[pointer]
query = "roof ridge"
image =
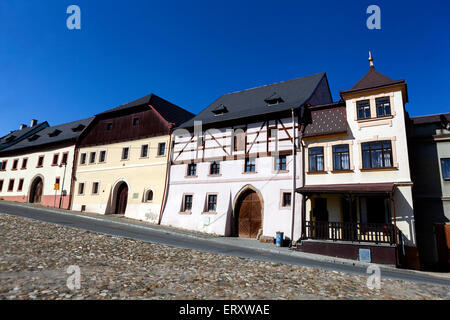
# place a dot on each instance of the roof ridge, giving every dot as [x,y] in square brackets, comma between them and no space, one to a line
[431,115]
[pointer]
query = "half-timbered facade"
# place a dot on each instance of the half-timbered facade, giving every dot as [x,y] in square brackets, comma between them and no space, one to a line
[122,159]
[232,166]
[357,187]
[38,169]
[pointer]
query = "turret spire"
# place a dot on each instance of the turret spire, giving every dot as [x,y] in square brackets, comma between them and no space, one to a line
[370,59]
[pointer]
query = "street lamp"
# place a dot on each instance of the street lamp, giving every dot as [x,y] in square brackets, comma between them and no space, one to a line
[62,187]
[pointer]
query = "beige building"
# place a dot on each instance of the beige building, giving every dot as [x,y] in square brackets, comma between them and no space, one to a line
[122,159]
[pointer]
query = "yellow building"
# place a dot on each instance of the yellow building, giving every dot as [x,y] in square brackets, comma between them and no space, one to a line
[122,159]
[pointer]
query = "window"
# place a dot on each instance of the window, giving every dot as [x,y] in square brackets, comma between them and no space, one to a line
[1,185]
[55,159]
[192,169]
[363,109]
[125,153]
[445,166]
[144,151]
[187,205]
[15,164]
[102,156]
[249,165]
[20,187]
[280,163]
[272,132]
[40,161]
[81,188]
[212,202]
[383,107]
[11,185]
[214,168]
[315,159]
[64,158]
[239,141]
[83,158]
[135,121]
[161,149]
[24,163]
[341,160]
[3,163]
[286,200]
[109,126]
[377,154]
[149,196]
[95,188]
[92,157]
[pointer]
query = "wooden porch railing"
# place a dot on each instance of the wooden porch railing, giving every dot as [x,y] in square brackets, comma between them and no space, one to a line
[353,232]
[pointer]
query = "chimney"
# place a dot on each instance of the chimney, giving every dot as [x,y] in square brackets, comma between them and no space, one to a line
[22,126]
[33,123]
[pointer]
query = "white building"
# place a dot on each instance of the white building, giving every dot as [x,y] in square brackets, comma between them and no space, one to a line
[232,167]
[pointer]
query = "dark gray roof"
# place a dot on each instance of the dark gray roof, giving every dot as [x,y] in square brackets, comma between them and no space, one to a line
[17,135]
[252,102]
[434,118]
[49,135]
[169,111]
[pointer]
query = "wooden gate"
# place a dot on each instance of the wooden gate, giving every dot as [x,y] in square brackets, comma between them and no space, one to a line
[249,215]
[36,191]
[121,198]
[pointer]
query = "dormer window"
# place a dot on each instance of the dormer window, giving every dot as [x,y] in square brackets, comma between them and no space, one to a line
[54,133]
[220,110]
[274,99]
[10,138]
[33,138]
[78,128]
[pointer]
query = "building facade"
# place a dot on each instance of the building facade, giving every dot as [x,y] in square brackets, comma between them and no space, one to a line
[38,169]
[232,166]
[358,189]
[122,159]
[430,169]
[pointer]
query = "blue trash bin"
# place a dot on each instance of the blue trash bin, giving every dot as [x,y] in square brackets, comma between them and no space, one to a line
[279,239]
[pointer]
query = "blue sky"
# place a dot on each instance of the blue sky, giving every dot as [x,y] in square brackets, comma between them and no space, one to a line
[191,52]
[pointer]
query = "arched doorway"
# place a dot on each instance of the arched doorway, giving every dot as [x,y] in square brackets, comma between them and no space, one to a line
[248,217]
[121,198]
[36,190]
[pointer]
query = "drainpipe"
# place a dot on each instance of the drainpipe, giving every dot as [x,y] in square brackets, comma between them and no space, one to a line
[293,177]
[166,185]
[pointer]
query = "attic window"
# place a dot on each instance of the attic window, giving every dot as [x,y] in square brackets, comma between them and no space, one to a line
[78,128]
[274,99]
[10,138]
[54,133]
[219,110]
[33,138]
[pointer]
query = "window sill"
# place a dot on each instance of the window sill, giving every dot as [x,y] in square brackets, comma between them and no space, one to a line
[379,169]
[374,119]
[215,175]
[39,166]
[249,172]
[280,171]
[342,171]
[185,213]
[209,212]
[317,172]
[191,177]
[160,156]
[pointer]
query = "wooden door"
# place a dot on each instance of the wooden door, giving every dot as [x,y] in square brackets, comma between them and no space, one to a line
[36,192]
[249,215]
[121,199]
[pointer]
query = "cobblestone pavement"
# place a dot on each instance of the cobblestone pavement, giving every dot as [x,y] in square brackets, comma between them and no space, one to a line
[35,257]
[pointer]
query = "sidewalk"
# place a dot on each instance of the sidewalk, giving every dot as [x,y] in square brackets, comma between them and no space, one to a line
[264,248]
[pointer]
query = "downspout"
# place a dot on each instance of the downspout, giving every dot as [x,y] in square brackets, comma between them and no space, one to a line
[293,177]
[302,150]
[166,184]
[72,178]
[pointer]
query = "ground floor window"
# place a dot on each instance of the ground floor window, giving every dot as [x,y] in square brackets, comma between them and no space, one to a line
[286,200]
[187,202]
[212,202]
[81,188]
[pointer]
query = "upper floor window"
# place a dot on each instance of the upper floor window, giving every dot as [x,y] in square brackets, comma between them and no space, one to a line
[363,109]
[445,166]
[92,157]
[214,168]
[102,156]
[239,141]
[3,165]
[161,149]
[125,153]
[280,163]
[15,164]
[109,126]
[315,159]
[24,163]
[55,159]
[40,161]
[377,154]
[83,158]
[144,151]
[192,169]
[135,121]
[341,158]
[383,107]
[64,158]
[250,165]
